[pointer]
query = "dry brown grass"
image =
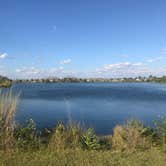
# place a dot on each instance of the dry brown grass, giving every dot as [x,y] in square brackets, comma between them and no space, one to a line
[66,136]
[129,138]
[8,105]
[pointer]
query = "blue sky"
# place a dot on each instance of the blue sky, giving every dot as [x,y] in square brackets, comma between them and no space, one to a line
[83,38]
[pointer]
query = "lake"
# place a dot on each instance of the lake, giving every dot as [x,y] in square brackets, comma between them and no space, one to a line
[97,105]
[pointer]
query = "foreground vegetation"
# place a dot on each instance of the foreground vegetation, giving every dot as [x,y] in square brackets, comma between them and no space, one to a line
[5,82]
[77,157]
[131,144]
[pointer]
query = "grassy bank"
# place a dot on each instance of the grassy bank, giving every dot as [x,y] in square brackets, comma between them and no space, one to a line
[69,157]
[130,144]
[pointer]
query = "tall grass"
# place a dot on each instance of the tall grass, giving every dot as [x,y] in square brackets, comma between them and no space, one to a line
[68,136]
[8,105]
[130,137]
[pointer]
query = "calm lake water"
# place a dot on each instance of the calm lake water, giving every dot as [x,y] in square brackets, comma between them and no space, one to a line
[97,105]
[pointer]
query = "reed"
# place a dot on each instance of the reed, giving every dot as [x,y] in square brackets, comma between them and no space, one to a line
[8,105]
[66,136]
[131,137]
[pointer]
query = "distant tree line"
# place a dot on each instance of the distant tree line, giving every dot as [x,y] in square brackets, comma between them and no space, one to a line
[76,79]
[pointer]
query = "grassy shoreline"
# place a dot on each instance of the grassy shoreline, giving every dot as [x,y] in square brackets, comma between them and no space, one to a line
[130,144]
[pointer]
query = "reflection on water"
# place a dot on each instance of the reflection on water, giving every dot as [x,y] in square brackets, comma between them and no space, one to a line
[97,105]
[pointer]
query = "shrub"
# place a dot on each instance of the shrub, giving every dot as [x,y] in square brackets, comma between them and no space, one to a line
[90,140]
[27,137]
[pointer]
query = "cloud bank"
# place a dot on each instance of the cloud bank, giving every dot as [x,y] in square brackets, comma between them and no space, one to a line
[110,70]
[115,70]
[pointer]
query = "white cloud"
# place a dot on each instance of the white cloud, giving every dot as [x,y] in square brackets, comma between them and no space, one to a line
[111,70]
[36,72]
[66,61]
[121,66]
[125,69]
[28,70]
[162,56]
[3,55]
[156,59]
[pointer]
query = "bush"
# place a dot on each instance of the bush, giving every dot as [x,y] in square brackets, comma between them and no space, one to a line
[27,136]
[90,141]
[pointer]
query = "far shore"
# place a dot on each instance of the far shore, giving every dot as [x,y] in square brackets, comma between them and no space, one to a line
[140,79]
